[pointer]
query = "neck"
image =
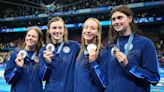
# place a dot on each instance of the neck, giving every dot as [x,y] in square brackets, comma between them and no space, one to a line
[57,41]
[90,41]
[32,48]
[125,32]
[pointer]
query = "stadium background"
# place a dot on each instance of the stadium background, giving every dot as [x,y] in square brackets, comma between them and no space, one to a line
[17,15]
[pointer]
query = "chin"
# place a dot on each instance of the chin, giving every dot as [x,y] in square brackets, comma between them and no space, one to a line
[57,38]
[30,45]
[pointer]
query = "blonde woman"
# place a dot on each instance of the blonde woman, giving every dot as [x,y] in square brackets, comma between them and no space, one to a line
[58,58]
[92,59]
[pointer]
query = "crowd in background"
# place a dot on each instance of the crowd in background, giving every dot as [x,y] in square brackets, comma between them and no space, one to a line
[64,5]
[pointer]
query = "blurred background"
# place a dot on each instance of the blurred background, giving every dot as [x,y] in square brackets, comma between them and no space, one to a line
[17,15]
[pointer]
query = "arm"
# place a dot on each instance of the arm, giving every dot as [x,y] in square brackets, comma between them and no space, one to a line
[148,71]
[44,71]
[98,69]
[12,71]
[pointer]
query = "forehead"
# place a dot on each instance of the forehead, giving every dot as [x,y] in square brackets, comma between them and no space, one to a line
[117,13]
[32,32]
[56,23]
[90,23]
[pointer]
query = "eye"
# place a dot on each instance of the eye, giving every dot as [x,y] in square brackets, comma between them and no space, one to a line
[113,19]
[60,27]
[28,35]
[85,27]
[93,28]
[54,27]
[119,17]
[33,36]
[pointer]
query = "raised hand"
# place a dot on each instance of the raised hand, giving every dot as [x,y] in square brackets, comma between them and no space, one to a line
[48,56]
[121,57]
[92,55]
[19,61]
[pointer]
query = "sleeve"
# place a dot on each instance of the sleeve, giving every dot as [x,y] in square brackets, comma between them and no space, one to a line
[44,71]
[12,71]
[148,71]
[98,69]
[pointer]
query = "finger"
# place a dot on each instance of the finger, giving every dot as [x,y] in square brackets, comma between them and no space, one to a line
[47,53]
[92,52]
[119,58]
[122,55]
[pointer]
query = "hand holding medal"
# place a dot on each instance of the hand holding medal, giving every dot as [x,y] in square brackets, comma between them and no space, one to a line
[114,50]
[50,47]
[20,58]
[121,57]
[48,53]
[91,48]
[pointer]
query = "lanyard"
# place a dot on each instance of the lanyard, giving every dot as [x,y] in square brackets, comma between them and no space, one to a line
[33,55]
[60,48]
[128,44]
[85,52]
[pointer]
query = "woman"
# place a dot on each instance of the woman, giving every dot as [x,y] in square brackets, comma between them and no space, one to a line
[58,58]
[91,61]
[22,68]
[133,62]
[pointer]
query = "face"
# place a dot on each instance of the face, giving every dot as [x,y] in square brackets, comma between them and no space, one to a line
[57,30]
[120,21]
[90,30]
[31,38]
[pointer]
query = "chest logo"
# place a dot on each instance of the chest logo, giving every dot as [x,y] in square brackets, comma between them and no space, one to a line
[66,49]
[131,46]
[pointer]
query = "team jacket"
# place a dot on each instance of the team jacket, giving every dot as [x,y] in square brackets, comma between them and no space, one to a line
[59,74]
[90,76]
[139,73]
[25,79]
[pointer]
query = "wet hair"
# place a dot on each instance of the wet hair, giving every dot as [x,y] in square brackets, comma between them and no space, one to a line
[98,39]
[40,38]
[128,12]
[48,36]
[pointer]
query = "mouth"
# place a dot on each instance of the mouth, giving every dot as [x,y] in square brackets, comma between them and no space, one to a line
[117,25]
[88,34]
[57,33]
[30,42]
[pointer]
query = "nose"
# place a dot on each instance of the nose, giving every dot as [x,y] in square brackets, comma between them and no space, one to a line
[57,29]
[116,21]
[30,37]
[88,30]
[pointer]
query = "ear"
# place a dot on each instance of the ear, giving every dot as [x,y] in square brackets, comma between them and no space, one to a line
[130,18]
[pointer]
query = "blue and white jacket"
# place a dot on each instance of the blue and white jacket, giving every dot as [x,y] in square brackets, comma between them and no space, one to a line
[139,73]
[91,76]
[23,79]
[59,74]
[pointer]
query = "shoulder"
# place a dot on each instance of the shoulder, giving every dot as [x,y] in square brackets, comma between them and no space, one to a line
[73,44]
[143,40]
[42,48]
[15,52]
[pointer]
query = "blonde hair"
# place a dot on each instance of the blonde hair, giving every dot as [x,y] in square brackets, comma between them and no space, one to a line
[48,36]
[98,39]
